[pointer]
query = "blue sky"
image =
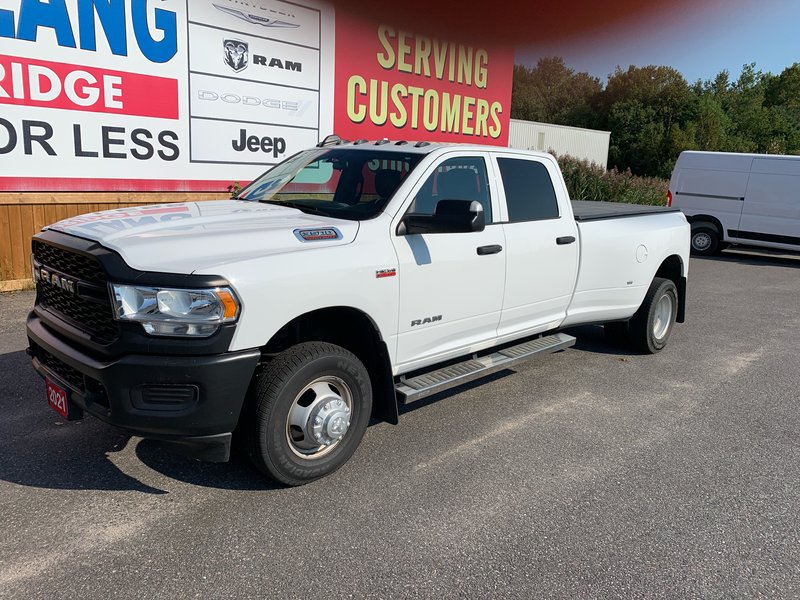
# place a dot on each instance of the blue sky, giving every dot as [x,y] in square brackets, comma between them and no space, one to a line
[699,42]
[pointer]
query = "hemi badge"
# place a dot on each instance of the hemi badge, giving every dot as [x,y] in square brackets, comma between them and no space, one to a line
[385,273]
[318,235]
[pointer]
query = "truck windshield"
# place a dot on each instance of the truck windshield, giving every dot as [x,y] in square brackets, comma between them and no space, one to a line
[335,182]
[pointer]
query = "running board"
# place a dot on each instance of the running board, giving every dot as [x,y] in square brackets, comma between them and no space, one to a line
[427,384]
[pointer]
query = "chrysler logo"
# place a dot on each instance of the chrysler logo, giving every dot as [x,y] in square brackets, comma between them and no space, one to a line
[235,54]
[46,276]
[258,19]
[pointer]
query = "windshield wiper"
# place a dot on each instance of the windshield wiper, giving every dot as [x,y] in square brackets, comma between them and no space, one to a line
[302,207]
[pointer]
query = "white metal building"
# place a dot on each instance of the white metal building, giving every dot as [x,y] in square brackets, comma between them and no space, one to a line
[589,144]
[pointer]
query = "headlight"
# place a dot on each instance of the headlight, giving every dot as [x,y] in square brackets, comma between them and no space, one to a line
[174,312]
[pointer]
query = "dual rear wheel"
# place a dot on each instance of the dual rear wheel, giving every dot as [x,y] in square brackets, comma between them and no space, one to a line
[649,329]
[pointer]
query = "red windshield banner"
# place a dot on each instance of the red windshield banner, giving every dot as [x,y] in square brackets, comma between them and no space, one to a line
[400,84]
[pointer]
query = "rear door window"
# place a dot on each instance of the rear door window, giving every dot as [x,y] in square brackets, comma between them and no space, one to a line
[530,195]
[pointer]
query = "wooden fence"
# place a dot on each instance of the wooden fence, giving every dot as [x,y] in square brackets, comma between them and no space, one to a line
[24,214]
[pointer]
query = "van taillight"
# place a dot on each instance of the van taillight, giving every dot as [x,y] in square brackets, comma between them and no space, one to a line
[669,198]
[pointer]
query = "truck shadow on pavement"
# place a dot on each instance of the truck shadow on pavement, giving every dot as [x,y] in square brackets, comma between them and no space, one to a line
[236,474]
[592,338]
[39,449]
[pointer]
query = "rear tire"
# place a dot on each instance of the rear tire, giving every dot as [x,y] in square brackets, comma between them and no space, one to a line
[312,407]
[705,239]
[651,326]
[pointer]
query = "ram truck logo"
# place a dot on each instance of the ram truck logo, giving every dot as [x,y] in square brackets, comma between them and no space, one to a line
[426,321]
[235,54]
[47,277]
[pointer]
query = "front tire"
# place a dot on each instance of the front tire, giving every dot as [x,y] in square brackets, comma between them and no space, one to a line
[313,403]
[651,326]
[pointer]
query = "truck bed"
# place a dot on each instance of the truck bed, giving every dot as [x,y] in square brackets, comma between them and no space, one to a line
[594,211]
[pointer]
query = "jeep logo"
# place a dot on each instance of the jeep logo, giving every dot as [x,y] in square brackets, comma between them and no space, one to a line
[426,320]
[47,277]
[269,145]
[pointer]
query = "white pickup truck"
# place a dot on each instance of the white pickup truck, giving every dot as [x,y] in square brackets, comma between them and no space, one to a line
[349,278]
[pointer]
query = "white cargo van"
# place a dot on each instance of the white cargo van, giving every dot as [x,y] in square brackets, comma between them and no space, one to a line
[728,198]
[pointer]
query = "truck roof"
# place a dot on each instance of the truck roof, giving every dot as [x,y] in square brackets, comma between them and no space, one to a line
[416,147]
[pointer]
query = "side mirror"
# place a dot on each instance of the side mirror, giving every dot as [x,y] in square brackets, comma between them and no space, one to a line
[451,216]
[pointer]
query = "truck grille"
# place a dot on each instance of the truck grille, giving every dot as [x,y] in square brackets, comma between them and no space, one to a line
[89,307]
[79,266]
[63,370]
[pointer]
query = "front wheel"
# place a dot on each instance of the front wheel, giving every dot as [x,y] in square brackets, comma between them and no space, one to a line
[652,324]
[313,403]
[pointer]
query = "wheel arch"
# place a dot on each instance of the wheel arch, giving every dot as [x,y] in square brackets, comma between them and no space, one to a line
[713,221]
[354,330]
[672,268]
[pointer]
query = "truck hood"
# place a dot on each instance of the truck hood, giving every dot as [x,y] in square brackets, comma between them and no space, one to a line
[199,236]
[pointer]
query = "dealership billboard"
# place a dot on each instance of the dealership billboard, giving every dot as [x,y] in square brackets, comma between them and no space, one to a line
[191,95]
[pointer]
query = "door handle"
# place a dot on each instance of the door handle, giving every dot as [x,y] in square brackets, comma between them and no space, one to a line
[566,239]
[493,249]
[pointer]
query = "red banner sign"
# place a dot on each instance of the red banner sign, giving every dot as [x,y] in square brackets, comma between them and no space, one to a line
[33,82]
[398,84]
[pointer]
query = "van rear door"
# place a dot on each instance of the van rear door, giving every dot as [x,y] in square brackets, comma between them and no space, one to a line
[771,214]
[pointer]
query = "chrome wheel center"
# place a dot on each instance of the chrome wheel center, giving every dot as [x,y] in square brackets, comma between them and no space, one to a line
[662,317]
[319,417]
[329,421]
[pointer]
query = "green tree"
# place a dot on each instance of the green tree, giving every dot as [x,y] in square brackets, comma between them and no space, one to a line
[551,92]
[784,90]
[709,125]
[782,99]
[653,114]
[645,108]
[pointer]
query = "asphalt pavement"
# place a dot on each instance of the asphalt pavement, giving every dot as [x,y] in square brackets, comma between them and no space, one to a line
[590,473]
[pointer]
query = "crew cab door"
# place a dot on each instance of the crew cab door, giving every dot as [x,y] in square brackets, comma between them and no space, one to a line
[451,284]
[541,244]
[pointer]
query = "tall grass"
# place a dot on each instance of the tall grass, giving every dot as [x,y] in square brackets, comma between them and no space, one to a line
[587,181]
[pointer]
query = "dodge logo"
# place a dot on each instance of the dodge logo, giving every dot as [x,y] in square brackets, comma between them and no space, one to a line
[235,54]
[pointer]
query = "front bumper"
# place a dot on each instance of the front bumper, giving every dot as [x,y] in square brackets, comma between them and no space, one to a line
[191,402]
